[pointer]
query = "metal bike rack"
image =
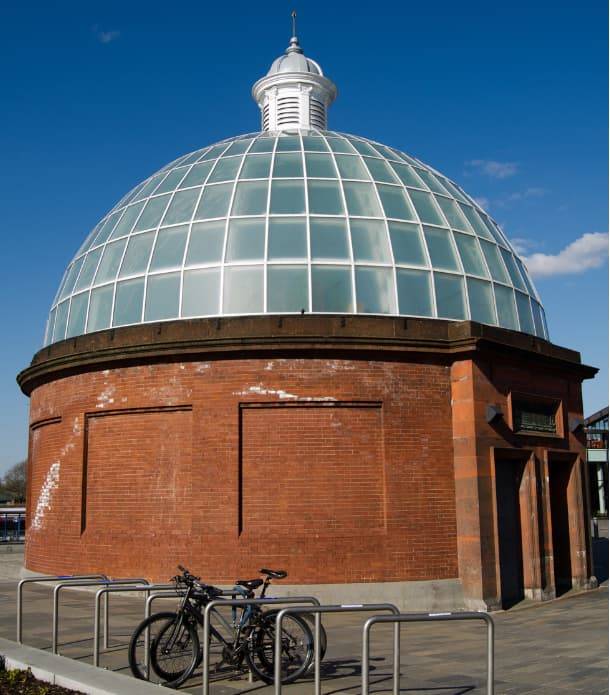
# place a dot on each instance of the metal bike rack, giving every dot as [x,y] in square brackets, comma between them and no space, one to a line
[317,611]
[426,617]
[59,587]
[51,578]
[104,591]
[241,602]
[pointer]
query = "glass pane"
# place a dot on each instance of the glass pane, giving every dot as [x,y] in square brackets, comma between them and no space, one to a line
[100,309]
[407,175]
[494,262]
[441,250]
[238,147]
[169,248]
[111,259]
[288,143]
[170,182]
[128,302]
[287,238]
[314,144]
[509,262]
[215,151]
[352,167]
[470,255]
[287,288]
[407,244]
[182,206]
[256,167]
[324,197]
[250,198]
[454,190]
[246,240]
[108,226]
[289,165]
[340,145]
[525,276]
[243,290]
[197,175]
[370,241]
[225,170]
[431,181]
[495,231]
[287,197]
[361,199]
[425,207]
[206,243]
[331,288]
[162,297]
[148,188]
[364,147]
[126,222]
[48,334]
[135,261]
[538,319]
[395,202]
[380,170]
[453,214]
[328,239]
[78,314]
[375,291]
[475,222]
[525,314]
[414,297]
[481,301]
[201,292]
[152,213]
[87,272]
[214,201]
[505,303]
[71,277]
[320,166]
[61,320]
[449,296]
[264,144]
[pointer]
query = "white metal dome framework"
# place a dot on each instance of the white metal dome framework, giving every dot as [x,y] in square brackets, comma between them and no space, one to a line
[296,219]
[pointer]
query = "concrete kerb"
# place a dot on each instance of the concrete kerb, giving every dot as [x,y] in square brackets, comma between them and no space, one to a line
[59,670]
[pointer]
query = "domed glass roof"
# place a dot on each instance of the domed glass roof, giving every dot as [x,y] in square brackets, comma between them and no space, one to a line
[312,221]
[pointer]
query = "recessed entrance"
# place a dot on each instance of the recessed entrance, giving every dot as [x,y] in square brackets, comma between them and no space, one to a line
[559,481]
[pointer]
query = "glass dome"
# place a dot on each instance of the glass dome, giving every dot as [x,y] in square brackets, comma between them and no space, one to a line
[303,221]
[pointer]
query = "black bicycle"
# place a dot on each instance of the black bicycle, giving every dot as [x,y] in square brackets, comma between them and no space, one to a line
[174,648]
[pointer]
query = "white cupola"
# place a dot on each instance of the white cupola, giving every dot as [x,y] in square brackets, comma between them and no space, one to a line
[294,93]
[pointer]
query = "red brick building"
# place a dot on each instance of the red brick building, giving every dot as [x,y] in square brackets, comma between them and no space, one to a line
[307,350]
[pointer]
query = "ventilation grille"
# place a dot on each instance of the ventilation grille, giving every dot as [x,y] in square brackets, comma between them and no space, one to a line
[317,114]
[287,110]
[266,117]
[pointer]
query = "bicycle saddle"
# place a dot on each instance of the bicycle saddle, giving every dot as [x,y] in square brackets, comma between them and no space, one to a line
[250,584]
[275,574]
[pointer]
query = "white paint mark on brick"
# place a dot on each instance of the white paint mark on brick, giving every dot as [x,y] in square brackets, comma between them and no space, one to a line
[45,497]
[105,397]
[269,366]
[76,426]
[280,393]
[201,367]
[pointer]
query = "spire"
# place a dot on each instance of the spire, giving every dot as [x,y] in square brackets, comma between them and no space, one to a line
[294,93]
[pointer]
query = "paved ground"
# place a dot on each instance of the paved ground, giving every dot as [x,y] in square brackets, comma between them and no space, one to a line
[541,649]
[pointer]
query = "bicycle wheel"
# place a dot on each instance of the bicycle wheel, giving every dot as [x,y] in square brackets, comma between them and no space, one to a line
[297,648]
[170,669]
[309,618]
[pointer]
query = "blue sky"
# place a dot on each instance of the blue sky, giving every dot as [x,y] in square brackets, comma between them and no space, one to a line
[507,98]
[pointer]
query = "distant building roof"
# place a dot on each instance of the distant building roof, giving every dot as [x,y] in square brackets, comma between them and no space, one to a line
[596,417]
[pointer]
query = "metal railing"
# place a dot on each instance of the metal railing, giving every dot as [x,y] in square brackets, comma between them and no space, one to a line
[317,612]
[57,589]
[277,600]
[41,580]
[419,618]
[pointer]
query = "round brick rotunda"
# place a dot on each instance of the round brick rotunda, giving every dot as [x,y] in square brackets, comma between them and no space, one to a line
[305,349]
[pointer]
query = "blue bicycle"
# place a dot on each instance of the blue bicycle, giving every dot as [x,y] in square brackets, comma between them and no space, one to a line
[174,646]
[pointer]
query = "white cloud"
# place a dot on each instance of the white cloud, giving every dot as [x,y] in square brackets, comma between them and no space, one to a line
[532,192]
[589,251]
[493,169]
[106,36]
[523,246]
[482,202]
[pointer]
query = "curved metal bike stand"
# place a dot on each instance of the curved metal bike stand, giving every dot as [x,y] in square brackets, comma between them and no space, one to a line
[317,611]
[420,618]
[63,585]
[144,588]
[311,600]
[51,578]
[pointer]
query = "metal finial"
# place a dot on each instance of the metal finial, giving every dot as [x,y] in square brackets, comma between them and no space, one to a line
[293,14]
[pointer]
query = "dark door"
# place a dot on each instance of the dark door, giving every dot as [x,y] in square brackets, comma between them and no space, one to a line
[508,480]
[559,478]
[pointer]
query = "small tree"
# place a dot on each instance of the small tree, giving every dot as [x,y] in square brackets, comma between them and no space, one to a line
[13,482]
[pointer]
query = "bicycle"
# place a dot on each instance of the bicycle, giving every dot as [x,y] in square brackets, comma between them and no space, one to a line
[174,646]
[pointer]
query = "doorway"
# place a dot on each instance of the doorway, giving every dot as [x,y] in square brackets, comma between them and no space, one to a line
[509,477]
[559,481]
